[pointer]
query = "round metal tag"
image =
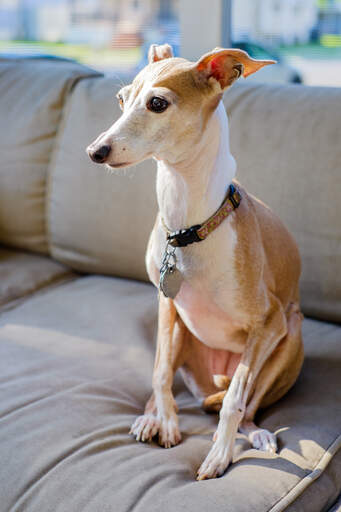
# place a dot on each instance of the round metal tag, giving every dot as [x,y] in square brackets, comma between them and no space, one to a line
[170,282]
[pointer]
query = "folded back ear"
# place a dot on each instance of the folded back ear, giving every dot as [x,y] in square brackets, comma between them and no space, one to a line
[159,52]
[226,65]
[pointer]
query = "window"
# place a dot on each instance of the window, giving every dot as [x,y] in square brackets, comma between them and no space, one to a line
[304,36]
[114,35]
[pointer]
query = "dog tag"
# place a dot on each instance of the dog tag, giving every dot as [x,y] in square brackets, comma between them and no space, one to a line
[170,277]
[170,281]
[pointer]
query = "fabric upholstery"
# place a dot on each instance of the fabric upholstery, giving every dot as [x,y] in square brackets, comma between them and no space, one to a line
[286,140]
[22,273]
[286,143]
[32,94]
[76,365]
[337,506]
[98,221]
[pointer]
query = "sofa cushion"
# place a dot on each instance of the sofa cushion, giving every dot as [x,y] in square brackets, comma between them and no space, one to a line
[23,273]
[337,506]
[32,94]
[76,365]
[285,140]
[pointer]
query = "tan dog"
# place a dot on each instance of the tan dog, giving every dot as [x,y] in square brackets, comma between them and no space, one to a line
[234,325]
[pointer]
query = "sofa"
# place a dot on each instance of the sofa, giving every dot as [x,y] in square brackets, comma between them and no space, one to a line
[78,316]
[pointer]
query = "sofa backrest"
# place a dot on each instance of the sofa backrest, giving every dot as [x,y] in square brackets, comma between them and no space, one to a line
[98,222]
[32,95]
[286,140]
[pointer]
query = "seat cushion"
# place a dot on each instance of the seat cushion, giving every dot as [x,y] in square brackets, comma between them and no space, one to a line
[22,273]
[32,95]
[76,366]
[337,506]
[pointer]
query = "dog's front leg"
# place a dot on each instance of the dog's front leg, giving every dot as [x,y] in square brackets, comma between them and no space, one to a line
[168,348]
[261,342]
[160,412]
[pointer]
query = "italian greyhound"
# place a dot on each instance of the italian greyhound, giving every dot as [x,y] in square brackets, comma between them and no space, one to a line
[227,268]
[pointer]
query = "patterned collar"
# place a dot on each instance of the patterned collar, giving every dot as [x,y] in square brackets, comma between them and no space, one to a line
[199,232]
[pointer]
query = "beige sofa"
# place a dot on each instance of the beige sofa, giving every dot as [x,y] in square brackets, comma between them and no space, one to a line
[78,319]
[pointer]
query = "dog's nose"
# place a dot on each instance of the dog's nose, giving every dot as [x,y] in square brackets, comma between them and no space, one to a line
[100,155]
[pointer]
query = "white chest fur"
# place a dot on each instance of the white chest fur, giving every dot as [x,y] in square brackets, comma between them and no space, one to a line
[206,300]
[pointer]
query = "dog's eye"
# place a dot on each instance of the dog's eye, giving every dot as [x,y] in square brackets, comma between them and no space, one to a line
[120,99]
[157,104]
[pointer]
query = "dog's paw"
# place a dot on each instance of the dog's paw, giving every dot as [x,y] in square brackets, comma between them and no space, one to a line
[145,427]
[169,433]
[263,440]
[216,462]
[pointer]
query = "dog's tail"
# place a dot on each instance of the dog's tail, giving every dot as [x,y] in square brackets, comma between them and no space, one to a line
[212,403]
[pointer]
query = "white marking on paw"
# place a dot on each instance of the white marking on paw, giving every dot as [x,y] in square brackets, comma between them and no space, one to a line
[216,462]
[263,440]
[145,427]
[169,433]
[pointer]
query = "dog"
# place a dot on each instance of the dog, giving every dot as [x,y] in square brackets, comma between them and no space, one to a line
[227,268]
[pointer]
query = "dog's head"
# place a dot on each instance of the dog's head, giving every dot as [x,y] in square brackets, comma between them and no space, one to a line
[167,106]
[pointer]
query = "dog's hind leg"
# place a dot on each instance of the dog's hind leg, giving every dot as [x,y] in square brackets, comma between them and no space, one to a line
[213,403]
[263,340]
[276,377]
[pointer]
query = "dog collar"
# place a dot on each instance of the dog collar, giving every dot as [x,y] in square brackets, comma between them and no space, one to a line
[199,232]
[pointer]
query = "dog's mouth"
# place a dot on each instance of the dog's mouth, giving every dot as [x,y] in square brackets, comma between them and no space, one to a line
[117,166]
[112,165]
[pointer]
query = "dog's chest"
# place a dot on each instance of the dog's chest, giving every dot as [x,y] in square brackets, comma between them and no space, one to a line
[215,327]
[206,300]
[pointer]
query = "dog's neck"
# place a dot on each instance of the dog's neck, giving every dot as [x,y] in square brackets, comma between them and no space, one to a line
[189,192]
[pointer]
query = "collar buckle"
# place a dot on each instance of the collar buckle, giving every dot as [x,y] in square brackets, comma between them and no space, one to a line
[232,193]
[199,232]
[184,237]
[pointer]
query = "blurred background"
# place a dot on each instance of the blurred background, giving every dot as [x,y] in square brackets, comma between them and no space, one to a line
[113,36]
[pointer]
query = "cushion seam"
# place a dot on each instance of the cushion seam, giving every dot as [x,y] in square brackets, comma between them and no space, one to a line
[304,483]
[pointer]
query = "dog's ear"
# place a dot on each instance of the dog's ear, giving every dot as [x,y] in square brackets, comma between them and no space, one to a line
[159,52]
[227,64]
